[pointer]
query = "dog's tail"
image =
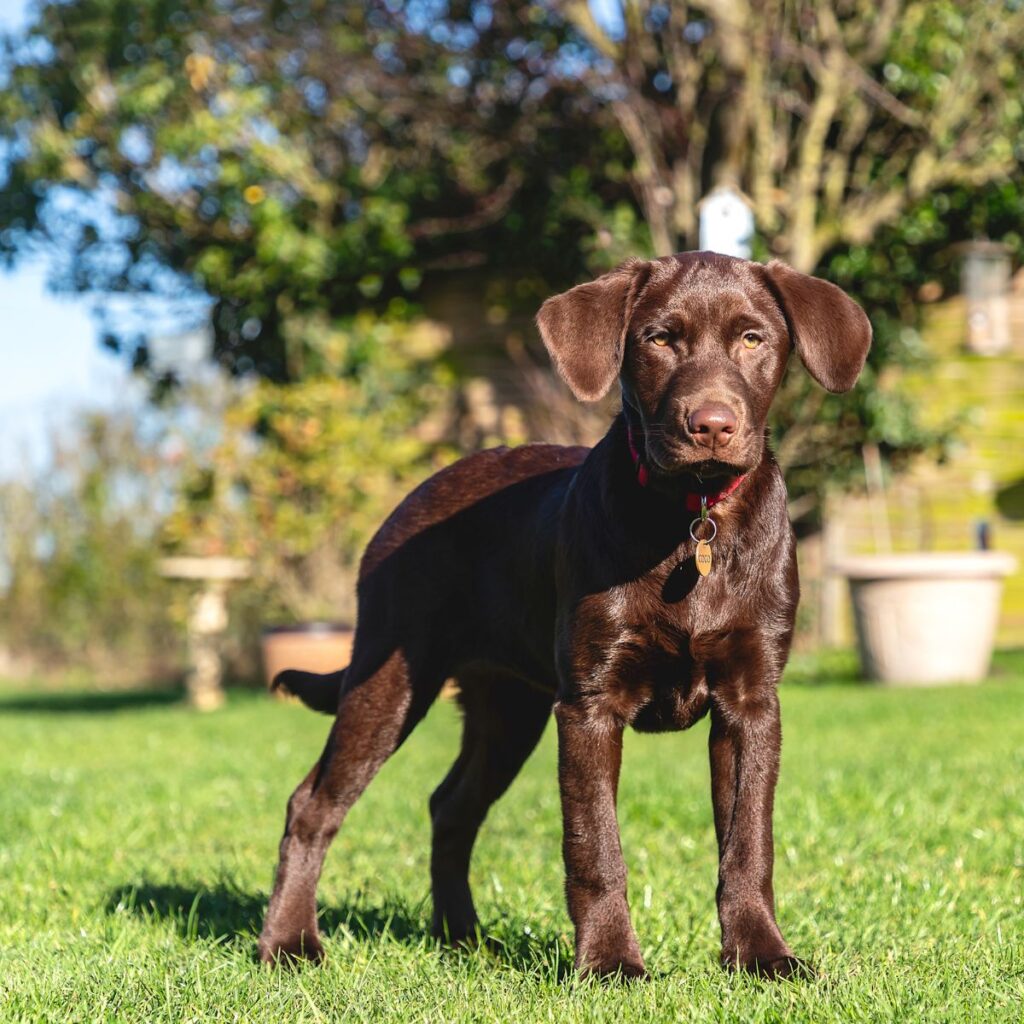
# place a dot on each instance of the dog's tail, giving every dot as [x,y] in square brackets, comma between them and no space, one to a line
[319,692]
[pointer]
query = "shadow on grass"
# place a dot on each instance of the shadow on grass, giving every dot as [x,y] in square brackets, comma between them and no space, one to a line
[1008,662]
[221,912]
[811,668]
[84,702]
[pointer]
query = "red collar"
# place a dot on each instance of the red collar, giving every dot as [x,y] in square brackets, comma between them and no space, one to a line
[693,498]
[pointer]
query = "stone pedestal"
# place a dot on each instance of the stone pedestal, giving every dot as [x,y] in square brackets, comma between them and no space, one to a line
[207,621]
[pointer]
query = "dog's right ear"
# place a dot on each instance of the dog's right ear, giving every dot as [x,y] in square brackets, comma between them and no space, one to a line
[584,329]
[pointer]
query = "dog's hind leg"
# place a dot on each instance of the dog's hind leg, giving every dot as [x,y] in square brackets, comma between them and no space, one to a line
[376,713]
[504,719]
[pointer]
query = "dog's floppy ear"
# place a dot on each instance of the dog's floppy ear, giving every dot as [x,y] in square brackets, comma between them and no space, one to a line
[831,332]
[584,329]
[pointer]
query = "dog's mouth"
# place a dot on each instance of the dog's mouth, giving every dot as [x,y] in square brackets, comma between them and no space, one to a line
[706,470]
[707,477]
[711,471]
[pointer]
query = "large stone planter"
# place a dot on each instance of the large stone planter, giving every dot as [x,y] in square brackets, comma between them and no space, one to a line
[926,618]
[310,646]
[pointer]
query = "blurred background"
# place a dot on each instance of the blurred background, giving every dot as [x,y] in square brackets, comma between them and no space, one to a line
[268,265]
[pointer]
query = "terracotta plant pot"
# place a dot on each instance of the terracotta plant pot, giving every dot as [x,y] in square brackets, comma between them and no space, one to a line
[926,618]
[310,646]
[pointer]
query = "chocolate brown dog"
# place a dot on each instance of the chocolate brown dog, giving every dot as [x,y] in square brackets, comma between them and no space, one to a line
[544,576]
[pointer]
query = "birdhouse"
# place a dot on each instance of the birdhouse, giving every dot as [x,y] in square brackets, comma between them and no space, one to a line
[726,222]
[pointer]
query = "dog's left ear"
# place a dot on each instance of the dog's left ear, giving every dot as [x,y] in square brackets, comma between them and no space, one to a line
[831,332]
[584,329]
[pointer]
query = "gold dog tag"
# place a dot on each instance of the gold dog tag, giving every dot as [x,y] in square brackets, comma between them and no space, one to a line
[703,556]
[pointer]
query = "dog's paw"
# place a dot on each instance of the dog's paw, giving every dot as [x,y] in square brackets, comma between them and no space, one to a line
[459,936]
[772,968]
[455,923]
[291,950]
[613,968]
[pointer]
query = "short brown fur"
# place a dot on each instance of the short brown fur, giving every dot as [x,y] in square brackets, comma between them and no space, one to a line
[546,577]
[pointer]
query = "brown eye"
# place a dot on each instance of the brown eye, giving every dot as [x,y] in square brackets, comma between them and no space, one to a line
[661,340]
[751,340]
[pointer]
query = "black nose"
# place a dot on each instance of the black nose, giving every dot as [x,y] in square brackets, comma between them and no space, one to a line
[712,424]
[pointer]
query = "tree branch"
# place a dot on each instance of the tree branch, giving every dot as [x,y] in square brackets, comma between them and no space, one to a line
[488,210]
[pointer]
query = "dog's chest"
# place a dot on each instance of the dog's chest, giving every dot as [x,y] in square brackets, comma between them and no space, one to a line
[669,636]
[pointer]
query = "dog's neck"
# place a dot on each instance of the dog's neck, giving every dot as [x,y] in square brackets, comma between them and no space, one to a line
[695,494]
[659,511]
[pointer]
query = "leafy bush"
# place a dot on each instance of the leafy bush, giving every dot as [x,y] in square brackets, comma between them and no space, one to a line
[304,473]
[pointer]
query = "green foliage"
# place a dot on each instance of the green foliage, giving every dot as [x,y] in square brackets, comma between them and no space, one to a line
[304,473]
[307,163]
[138,841]
[294,477]
[867,139]
[916,255]
[81,592]
[289,160]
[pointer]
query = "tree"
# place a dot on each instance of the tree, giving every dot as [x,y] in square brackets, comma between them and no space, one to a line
[292,158]
[835,116]
[306,165]
[851,126]
[300,162]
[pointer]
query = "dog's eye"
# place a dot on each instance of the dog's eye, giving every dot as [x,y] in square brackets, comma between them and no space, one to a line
[661,340]
[751,339]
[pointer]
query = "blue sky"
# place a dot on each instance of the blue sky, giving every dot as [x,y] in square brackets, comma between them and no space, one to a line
[52,362]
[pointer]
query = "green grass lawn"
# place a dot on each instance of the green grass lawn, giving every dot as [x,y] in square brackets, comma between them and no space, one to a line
[137,842]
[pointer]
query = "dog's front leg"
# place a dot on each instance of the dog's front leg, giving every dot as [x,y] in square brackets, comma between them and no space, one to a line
[745,743]
[589,757]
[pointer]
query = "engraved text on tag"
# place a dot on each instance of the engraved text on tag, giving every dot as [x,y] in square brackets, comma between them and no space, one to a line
[703,557]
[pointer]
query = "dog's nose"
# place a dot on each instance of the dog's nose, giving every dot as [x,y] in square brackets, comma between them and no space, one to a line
[712,424]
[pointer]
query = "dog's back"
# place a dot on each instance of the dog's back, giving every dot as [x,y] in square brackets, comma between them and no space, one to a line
[490,520]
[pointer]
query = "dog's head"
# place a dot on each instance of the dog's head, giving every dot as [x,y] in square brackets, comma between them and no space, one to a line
[699,343]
